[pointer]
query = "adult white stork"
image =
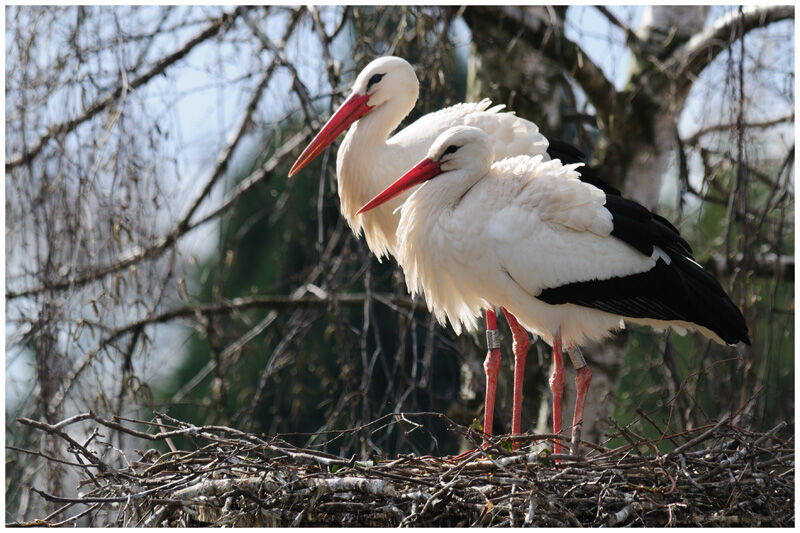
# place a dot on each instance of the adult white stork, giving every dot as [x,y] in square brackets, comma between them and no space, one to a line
[369,160]
[570,261]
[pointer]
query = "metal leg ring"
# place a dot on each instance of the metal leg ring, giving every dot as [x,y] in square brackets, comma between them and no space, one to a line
[492,339]
[576,356]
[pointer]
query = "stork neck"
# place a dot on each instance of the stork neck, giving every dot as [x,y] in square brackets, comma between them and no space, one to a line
[364,147]
[442,194]
[365,139]
[365,165]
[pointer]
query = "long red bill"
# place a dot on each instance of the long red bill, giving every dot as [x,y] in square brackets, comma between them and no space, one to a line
[351,110]
[425,170]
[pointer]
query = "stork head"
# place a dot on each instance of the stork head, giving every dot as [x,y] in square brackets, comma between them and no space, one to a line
[461,148]
[386,82]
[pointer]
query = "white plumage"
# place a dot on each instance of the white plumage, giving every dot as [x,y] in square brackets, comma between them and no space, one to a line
[529,235]
[529,227]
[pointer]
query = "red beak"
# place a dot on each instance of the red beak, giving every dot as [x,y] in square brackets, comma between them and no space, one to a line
[425,170]
[351,110]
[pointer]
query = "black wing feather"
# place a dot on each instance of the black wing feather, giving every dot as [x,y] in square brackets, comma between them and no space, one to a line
[633,223]
[680,290]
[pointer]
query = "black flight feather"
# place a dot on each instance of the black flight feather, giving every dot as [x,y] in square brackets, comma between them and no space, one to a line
[679,291]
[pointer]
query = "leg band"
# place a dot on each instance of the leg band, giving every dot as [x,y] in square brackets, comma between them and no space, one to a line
[576,356]
[493,339]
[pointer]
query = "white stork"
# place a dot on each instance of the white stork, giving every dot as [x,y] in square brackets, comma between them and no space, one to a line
[369,160]
[570,261]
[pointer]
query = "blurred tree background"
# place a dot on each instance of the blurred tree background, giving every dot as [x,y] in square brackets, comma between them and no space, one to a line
[158,259]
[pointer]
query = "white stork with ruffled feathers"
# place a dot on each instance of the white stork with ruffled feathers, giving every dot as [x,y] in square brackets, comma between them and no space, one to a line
[570,261]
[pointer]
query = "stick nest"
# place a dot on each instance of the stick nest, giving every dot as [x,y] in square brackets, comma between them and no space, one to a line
[716,475]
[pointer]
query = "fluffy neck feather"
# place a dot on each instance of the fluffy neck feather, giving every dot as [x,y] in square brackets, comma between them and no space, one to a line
[365,165]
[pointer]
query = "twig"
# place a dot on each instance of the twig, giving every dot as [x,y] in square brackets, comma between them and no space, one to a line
[697,440]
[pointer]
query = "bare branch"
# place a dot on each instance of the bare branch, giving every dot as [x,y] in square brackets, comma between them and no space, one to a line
[158,68]
[276,302]
[690,59]
[630,37]
[54,429]
[731,160]
[695,137]
[767,265]
[226,307]
[279,54]
[179,230]
[233,478]
[225,155]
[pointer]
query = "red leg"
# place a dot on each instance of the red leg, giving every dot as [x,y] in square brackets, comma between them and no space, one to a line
[521,343]
[582,379]
[557,386]
[491,366]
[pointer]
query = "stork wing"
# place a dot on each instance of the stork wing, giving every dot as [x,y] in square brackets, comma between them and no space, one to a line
[641,268]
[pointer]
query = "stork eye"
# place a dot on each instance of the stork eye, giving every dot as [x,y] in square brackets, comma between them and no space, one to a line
[450,150]
[374,79]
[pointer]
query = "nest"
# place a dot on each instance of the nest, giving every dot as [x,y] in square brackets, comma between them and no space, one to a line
[716,475]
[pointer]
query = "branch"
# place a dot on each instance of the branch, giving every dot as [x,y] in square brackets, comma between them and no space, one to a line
[255,178]
[225,155]
[75,446]
[184,225]
[550,41]
[695,137]
[86,360]
[273,302]
[227,477]
[278,53]
[317,299]
[731,160]
[689,60]
[766,265]
[158,68]
[631,38]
